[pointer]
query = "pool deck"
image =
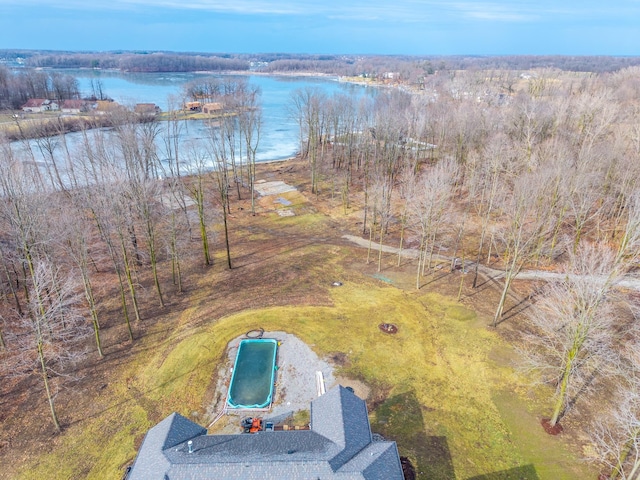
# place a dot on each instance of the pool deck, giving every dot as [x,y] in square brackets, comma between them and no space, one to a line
[295,378]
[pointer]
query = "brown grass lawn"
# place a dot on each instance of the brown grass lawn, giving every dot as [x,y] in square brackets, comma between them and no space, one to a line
[444,387]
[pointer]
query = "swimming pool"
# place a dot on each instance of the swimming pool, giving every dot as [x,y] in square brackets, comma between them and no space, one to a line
[253,374]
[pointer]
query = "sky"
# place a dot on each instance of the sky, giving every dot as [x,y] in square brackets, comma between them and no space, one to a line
[411,27]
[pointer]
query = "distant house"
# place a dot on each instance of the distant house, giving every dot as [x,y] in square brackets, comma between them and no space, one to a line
[211,108]
[75,106]
[391,75]
[193,106]
[339,445]
[106,106]
[35,105]
[146,108]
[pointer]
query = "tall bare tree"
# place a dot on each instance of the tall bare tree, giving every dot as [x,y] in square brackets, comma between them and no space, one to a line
[220,152]
[434,189]
[201,163]
[49,336]
[572,339]
[526,221]
[250,124]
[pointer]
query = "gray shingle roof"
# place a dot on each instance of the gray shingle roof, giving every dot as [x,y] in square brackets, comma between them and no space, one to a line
[338,446]
[341,417]
[375,462]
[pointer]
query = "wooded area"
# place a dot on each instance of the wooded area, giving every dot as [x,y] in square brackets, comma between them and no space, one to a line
[411,68]
[541,172]
[18,87]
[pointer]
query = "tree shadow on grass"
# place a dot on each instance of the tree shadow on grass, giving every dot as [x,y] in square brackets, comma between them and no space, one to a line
[526,472]
[400,418]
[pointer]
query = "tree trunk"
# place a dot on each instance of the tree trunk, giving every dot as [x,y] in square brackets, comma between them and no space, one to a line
[203,227]
[88,292]
[123,302]
[380,251]
[477,265]
[370,241]
[226,238]
[462,274]
[503,298]
[564,383]
[403,224]
[47,389]
[421,259]
[154,269]
[129,277]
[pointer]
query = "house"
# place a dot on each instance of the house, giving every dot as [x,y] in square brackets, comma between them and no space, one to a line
[107,106]
[35,105]
[338,445]
[211,108]
[146,108]
[193,106]
[74,106]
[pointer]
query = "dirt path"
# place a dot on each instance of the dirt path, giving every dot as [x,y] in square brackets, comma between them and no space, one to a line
[491,273]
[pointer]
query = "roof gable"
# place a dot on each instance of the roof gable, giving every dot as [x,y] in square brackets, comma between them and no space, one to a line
[178,430]
[151,462]
[377,461]
[341,416]
[35,102]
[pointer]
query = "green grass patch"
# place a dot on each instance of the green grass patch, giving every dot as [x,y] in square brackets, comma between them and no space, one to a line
[302,417]
[548,454]
[458,312]
[441,396]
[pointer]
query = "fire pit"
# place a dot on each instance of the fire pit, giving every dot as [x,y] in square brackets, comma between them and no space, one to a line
[388,328]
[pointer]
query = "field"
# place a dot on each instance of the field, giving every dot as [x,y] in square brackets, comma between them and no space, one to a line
[445,387]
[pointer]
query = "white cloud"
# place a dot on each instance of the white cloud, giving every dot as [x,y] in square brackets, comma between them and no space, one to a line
[498,12]
[236,6]
[403,11]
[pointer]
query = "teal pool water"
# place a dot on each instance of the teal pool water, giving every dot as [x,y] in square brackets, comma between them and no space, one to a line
[253,374]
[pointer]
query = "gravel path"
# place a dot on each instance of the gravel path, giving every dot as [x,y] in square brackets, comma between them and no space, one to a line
[493,274]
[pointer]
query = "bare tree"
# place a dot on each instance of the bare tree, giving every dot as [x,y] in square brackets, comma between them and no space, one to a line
[616,438]
[490,165]
[572,336]
[250,124]
[200,165]
[307,108]
[103,175]
[526,220]
[220,153]
[408,182]
[76,243]
[49,336]
[143,194]
[432,194]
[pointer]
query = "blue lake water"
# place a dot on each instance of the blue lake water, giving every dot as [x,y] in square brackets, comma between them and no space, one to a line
[279,137]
